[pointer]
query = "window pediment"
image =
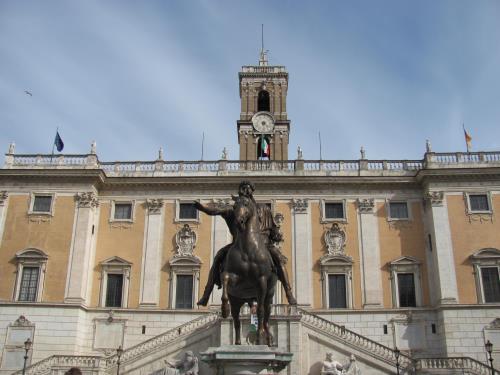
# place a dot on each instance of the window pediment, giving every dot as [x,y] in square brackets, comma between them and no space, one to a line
[336,260]
[405,261]
[31,254]
[489,255]
[185,260]
[115,261]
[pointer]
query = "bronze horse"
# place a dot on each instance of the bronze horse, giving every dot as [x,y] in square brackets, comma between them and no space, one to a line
[248,273]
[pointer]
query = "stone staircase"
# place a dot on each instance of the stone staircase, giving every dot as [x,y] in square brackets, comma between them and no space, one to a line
[148,356]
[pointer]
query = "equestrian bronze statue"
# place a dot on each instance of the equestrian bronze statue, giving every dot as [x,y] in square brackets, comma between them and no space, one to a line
[247,269]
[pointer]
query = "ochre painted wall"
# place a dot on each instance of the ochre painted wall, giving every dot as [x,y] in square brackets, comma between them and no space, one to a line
[402,238]
[51,234]
[286,249]
[319,249]
[469,235]
[124,240]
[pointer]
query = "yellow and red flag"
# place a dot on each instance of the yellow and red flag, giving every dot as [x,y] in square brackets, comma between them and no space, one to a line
[468,139]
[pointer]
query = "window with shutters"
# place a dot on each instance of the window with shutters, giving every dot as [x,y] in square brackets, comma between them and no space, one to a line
[184,292]
[406,282]
[337,296]
[186,211]
[114,291]
[29,284]
[406,290]
[486,265]
[31,265]
[122,211]
[332,210]
[41,204]
[115,278]
[491,284]
[398,211]
[336,276]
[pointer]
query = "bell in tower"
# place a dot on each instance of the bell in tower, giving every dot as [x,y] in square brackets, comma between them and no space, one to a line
[263,127]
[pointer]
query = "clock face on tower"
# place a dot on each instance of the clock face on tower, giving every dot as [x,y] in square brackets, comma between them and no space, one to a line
[263,122]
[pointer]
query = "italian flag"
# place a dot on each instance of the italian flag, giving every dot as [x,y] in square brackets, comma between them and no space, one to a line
[264,147]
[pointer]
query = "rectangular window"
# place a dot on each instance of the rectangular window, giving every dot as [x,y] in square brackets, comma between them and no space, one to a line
[491,284]
[114,290]
[334,210]
[337,291]
[398,210]
[184,292]
[29,284]
[42,203]
[187,211]
[479,202]
[406,289]
[123,211]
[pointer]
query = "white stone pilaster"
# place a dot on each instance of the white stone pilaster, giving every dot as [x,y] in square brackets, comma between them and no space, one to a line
[80,260]
[3,212]
[442,252]
[302,252]
[371,277]
[151,255]
[220,238]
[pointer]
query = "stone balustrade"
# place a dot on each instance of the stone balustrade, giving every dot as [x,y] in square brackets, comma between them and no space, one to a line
[256,167]
[464,364]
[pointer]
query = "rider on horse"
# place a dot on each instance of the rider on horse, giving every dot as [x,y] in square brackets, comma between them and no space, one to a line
[267,226]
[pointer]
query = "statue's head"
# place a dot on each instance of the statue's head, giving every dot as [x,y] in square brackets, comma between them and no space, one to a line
[329,356]
[188,356]
[246,189]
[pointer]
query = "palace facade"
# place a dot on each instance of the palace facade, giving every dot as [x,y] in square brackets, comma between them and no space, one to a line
[382,254]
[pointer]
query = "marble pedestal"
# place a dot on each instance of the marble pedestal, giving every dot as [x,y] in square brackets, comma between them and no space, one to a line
[246,360]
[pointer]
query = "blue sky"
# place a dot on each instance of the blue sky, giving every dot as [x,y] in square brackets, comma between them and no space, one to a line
[137,75]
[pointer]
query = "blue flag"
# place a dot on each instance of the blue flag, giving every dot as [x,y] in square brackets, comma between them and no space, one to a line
[59,142]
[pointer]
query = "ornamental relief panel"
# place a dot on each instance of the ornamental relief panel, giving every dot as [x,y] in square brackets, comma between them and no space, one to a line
[86,199]
[185,240]
[335,240]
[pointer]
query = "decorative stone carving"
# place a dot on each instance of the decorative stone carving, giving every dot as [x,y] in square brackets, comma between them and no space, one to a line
[160,153]
[22,322]
[12,148]
[428,147]
[93,148]
[366,205]
[154,206]
[188,365]
[335,240]
[299,205]
[3,197]
[224,154]
[87,199]
[435,197]
[495,324]
[299,153]
[222,204]
[186,241]
[331,366]
[363,153]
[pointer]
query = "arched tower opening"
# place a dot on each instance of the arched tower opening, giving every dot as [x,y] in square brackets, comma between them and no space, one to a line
[264,148]
[263,103]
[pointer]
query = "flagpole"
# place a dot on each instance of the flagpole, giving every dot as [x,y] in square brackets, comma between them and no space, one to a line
[202,144]
[320,154]
[53,146]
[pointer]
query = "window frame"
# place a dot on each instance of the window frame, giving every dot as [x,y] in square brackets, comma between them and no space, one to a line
[178,219]
[33,196]
[184,265]
[324,219]
[30,257]
[408,209]
[402,265]
[112,218]
[118,266]
[484,258]
[488,199]
[336,265]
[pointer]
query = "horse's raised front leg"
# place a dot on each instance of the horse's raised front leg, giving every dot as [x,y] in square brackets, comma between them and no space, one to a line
[261,296]
[226,278]
[236,304]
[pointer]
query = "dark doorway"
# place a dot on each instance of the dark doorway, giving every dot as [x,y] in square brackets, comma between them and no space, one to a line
[263,103]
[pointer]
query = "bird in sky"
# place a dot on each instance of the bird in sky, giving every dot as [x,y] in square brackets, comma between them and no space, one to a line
[28,93]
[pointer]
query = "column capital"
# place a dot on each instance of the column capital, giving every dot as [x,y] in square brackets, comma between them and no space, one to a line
[366,206]
[154,206]
[87,199]
[3,197]
[435,198]
[299,205]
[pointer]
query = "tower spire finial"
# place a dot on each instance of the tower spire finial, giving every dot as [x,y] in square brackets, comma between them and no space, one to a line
[263,52]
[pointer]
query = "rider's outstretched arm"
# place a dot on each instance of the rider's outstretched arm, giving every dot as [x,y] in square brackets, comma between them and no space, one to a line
[210,210]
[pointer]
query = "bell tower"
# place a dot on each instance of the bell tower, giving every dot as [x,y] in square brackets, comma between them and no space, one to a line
[263,127]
